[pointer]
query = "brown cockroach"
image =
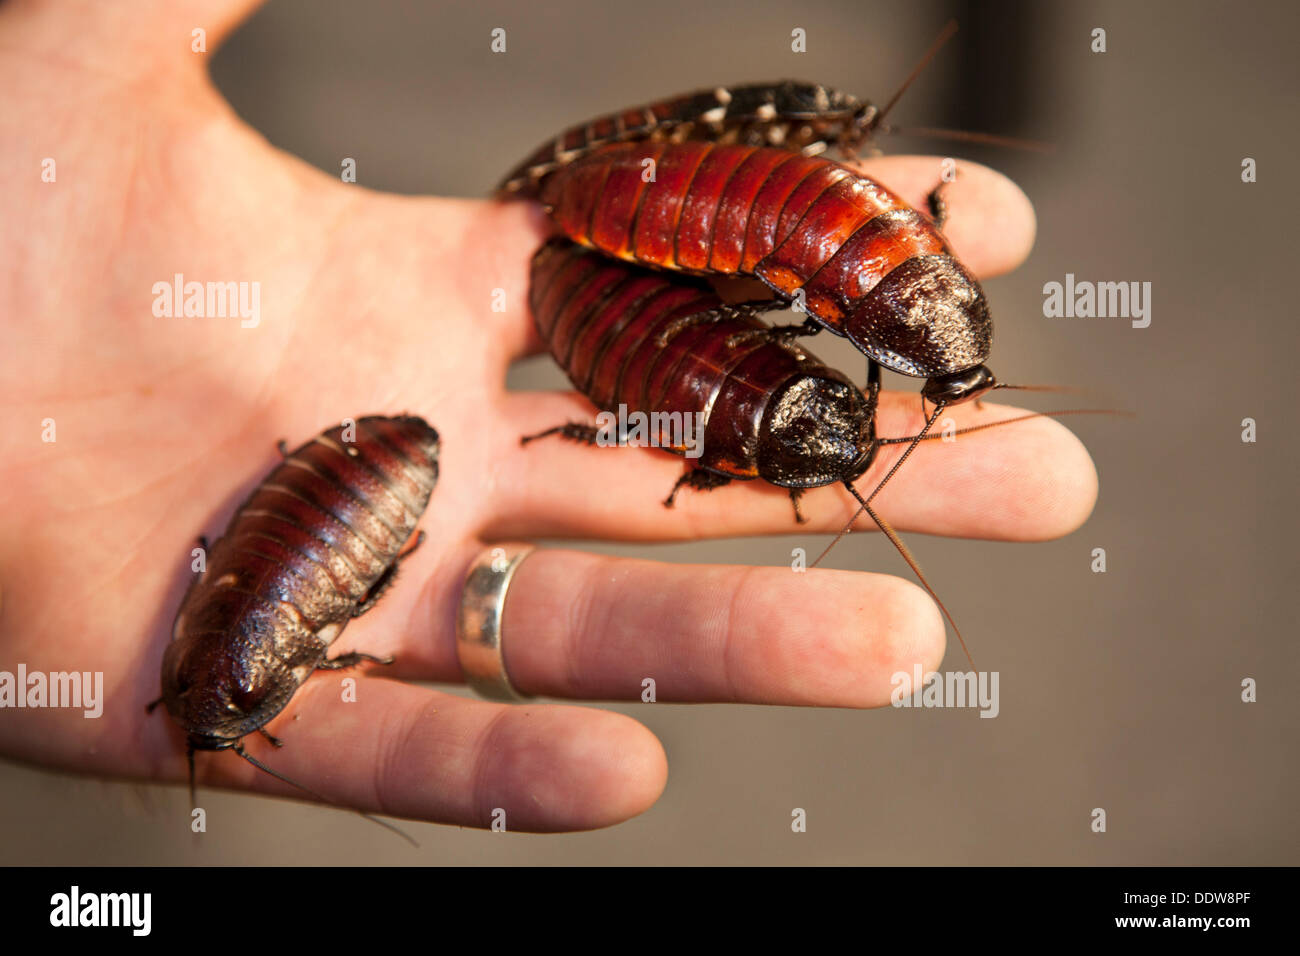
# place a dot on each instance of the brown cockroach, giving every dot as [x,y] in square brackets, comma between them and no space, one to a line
[643,340]
[315,545]
[863,263]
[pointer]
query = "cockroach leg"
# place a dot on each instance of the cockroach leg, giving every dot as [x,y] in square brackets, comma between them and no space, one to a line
[419,540]
[385,580]
[780,334]
[934,201]
[275,741]
[283,448]
[700,480]
[376,591]
[795,495]
[683,322]
[351,659]
[574,431]
[723,313]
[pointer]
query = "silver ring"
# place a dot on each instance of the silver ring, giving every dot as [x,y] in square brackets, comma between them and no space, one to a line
[478,621]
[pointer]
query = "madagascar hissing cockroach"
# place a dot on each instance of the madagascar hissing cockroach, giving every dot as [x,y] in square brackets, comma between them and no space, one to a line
[640,339]
[314,546]
[864,263]
[792,114]
[668,346]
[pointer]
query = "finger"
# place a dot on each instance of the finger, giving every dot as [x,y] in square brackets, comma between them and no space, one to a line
[586,626]
[991,223]
[493,257]
[593,627]
[408,752]
[1025,481]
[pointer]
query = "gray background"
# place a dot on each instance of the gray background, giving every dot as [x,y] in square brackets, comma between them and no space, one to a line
[1119,690]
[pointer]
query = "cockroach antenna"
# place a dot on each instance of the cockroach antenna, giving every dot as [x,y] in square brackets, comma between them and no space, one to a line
[239,749]
[892,535]
[877,120]
[912,441]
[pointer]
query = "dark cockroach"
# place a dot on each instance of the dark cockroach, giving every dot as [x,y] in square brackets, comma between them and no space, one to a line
[865,264]
[643,340]
[667,345]
[792,114]
[314,546]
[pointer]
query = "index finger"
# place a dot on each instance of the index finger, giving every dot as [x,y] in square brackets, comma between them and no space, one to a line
[991,224]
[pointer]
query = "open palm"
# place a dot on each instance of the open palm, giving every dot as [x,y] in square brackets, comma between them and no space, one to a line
[375,304]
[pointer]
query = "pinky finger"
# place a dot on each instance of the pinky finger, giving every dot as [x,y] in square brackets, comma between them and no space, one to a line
[412,753]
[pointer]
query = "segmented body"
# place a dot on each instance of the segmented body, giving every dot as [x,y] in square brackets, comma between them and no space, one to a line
[661,344]
[866,264]
[310,549]
[791,114]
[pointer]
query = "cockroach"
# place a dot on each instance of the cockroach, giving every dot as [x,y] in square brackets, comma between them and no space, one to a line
[668,345]
[861,261]
[639,339]
[314,546]
[792,114]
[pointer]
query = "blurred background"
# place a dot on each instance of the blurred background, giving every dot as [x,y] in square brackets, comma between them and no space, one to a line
[1119,690]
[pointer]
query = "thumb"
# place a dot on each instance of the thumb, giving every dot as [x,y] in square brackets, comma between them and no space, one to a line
[144,37]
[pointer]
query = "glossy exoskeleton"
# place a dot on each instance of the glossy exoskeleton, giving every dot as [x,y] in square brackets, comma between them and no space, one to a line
[313,547]
[792,114]
[670,346]
[856,258]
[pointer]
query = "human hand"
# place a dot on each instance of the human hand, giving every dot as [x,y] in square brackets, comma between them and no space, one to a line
[381,304]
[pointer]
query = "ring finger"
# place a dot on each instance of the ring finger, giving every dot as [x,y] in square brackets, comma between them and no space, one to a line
[586,626]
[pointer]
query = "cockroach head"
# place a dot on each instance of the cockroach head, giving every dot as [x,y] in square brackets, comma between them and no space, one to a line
[865,120]
[816,430]
[960,386]
[219,690]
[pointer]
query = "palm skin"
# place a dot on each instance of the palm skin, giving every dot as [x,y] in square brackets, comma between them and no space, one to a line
[380,304]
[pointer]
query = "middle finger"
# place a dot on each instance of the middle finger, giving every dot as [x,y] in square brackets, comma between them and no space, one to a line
[1027,481]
